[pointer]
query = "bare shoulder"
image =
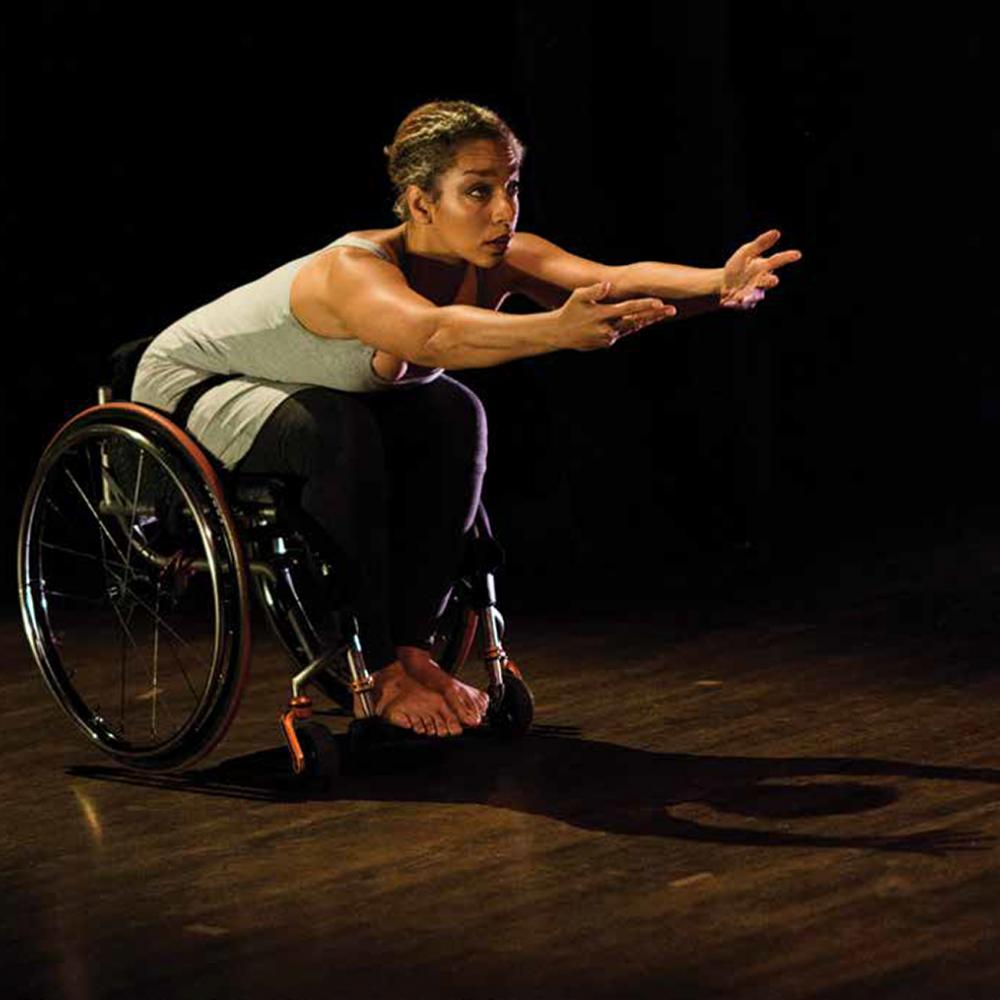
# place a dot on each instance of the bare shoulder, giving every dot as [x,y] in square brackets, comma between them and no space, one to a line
[330,262]
[334,274]
[384,239]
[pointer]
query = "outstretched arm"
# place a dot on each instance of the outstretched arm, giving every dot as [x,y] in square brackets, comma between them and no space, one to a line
[739,284]
[546,274]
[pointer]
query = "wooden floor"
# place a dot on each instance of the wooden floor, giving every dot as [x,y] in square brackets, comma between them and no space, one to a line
[790,795]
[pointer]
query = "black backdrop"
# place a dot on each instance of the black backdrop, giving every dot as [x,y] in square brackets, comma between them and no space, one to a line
[155,156]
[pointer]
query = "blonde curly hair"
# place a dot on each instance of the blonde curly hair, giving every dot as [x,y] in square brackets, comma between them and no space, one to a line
[427,139]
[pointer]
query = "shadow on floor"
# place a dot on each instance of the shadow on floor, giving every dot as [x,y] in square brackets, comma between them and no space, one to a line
[602,787]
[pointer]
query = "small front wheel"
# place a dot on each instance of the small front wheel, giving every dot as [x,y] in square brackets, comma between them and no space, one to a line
[514,715]
[320,750]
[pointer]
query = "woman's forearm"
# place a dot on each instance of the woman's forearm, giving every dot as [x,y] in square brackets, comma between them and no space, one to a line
[470,337]
[693,290]
[670,282]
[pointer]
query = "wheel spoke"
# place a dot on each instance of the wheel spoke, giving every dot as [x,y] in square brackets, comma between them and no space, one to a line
[180,666]
[156,656]
[153,614]
[97,518]
[52,505]
[123,670]
[73,597]
[131,524]
[158,621]
[66,550]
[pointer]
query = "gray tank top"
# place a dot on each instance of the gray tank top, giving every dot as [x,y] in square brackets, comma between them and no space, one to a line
[251,334]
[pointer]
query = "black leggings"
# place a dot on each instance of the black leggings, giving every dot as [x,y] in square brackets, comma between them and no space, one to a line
[394,480]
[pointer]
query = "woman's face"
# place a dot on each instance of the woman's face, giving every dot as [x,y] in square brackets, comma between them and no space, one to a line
[478,202]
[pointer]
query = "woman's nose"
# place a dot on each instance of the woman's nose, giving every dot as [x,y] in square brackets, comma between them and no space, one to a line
[504,208]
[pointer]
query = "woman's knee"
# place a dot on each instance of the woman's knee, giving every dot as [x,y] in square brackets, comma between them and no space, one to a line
[463,417]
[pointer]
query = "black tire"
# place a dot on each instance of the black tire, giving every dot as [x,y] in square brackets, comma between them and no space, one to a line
[516,712]
[133,587]
[321,751]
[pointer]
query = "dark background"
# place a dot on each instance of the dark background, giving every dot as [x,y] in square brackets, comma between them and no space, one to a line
[156,156]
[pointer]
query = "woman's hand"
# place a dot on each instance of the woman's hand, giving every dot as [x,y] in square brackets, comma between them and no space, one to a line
[747,274]
[585,324]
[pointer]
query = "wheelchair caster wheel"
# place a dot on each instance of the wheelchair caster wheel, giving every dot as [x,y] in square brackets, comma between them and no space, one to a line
[514,715]
[320,749]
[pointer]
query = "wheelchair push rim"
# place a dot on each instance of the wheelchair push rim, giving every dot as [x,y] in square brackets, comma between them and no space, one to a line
[133,587]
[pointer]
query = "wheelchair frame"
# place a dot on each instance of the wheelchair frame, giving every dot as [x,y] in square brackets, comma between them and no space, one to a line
[245,534]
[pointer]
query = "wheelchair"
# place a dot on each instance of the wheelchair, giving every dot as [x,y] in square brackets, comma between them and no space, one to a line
[137,553]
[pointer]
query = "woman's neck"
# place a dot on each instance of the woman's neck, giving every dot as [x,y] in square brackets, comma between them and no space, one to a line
[436,279]
[419,242]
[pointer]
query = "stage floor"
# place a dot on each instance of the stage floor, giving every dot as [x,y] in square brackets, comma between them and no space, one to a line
[789,794]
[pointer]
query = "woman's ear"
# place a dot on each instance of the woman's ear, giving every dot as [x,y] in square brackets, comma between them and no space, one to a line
[421,206]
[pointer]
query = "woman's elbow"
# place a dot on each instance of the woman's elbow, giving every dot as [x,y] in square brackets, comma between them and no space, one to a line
[429,348]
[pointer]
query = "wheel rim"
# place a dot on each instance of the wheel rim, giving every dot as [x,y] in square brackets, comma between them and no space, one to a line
[131,594]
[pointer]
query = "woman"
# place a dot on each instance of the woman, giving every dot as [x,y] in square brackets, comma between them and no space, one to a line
[335,365]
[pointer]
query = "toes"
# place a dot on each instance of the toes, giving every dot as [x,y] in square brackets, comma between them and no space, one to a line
[470,718]
[450,719]
[400,719]
[466,709]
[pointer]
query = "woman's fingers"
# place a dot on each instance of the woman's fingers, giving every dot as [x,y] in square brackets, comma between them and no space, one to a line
[640,306]
[783,258]
[766,239]
[633,323]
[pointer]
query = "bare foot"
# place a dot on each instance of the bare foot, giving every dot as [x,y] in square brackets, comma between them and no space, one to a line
[467,702]
[406,703]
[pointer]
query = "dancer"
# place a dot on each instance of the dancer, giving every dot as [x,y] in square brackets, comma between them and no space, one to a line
[331,368]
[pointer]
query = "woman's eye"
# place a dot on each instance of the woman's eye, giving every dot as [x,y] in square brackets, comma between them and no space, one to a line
[515,190]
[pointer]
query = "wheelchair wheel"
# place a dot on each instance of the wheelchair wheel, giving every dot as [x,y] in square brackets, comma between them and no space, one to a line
[133,587]
[517,711]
